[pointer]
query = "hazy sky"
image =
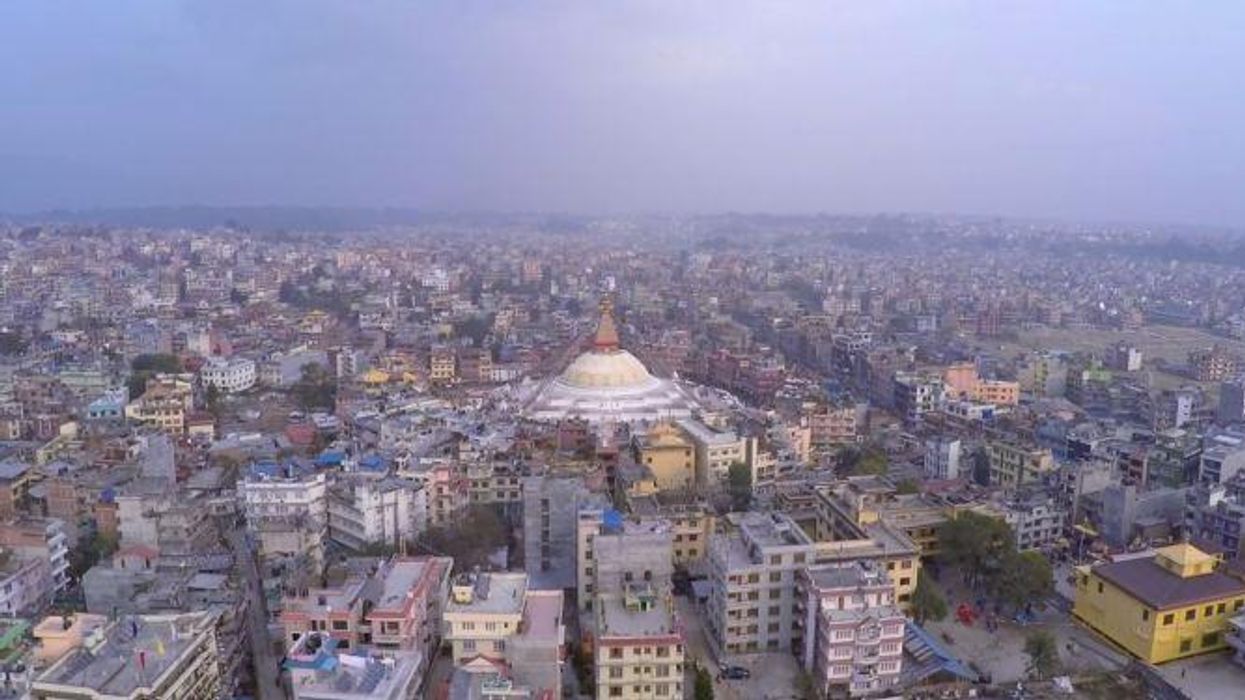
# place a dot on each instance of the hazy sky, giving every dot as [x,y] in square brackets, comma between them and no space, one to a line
[1132,110]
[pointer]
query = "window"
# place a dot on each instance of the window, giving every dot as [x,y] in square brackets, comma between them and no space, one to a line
[1210,639]
[469,645]
[1145,614]
[1210,610]
[1185,645]
[1168,618]
[615,691]
[1190,614]
[616,672]
[907,564]
[775,577]
[1100,586]
[775,594]
[341,625]
[1221,607]
[799,558]
[616,652]
[1238,604]
[905,581]
[775,560]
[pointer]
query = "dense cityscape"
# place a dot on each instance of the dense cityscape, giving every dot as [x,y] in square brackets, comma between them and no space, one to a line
[532,457]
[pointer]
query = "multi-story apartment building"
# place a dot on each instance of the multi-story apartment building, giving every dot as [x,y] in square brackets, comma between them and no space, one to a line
[442,366]
[551,507]
[483,612]
[942,458]
[43,539]
[319,670]
[829,428]
[284,492]
[364,510]
[915,395]
[1036,522]
[691,522]
[1215,364]
[614,551]
[164,404]
[715,451]
[496,616]
[639,647]
[170,656]
[854,644]
[231,376]
[1162,605]
[1013,464]
[398,605]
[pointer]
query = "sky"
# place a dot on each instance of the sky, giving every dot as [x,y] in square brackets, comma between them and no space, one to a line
[1120,110]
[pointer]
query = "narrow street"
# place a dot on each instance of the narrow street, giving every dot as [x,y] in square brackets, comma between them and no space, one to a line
[264,661]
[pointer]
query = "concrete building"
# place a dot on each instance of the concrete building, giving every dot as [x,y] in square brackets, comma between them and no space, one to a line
[942,458]
[231,376]
[366,510]
[551,508]
[639,645]
[716,451]
[854,644]
[496,616]
[283,492]
[1124,513]
[319,670]
[1220,463]
[1231,401]
[396,606]
[1036,522]
[915,395]
[149,656]
[670,457]
[1162,605]
[614,551]
[39,538]
[164,404]
[1013,464]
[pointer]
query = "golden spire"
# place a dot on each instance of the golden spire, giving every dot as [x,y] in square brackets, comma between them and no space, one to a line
[606,338]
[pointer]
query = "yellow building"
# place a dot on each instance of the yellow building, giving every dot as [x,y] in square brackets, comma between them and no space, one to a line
[484,610]
[163,404]
[442,366]
[1012,464]
[1173,604]
[997,392]
[668,455]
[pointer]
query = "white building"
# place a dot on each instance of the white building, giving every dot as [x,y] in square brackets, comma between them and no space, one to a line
[283,493]
[942,458]
[365,511]
[230,376]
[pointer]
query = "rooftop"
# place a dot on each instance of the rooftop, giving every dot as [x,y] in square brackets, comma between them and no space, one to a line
[638,612]
[492,593]
[1147,581]
[109,662]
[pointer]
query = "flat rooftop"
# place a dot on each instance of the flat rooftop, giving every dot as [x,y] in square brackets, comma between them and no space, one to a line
[542,617]
[401,578]
[494,593]
[112,668]
[770,530]
[616,619]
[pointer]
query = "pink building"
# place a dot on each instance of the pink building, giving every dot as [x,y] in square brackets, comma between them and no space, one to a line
[856,633]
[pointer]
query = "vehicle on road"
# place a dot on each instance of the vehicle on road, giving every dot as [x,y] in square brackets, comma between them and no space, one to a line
[736,673]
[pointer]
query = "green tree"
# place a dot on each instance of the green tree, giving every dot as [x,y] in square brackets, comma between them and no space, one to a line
[874,461]
[739,479]
[977,544]
[980,462]
[1042,652]
[316,388]
[472,540]
[928,602]
[906,486]
[212,400]
[1024,577]
[704,685]
[157,362]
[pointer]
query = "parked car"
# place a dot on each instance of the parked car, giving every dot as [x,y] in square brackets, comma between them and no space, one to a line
[736,673]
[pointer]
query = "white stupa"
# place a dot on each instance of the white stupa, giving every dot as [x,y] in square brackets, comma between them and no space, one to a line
[607,384]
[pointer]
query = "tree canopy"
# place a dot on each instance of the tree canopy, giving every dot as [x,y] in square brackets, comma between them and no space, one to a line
[928,602]
[316,388]
[739,480]
[1042,652]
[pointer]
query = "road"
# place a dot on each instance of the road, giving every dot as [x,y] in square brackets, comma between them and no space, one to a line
[267,678]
